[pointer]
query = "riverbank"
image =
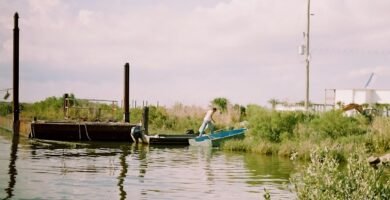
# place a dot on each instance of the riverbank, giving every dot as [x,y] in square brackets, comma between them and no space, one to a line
[295,134]
[287,134]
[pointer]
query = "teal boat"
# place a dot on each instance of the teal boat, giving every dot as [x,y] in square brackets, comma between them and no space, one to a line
[216,138]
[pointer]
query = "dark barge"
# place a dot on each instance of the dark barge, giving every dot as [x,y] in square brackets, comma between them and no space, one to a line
[99,131]
[82,131]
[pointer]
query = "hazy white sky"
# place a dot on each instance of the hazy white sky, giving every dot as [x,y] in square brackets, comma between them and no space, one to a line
[194,51]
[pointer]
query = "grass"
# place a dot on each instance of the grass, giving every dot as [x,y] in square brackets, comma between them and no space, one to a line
[295,134]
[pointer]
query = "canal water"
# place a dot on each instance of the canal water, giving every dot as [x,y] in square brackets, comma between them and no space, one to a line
[31,169]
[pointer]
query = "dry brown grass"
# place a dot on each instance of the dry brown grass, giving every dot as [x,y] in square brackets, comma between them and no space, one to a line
[222,119]
[7,123]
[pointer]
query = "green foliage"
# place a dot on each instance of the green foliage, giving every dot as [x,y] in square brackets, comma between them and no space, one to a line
[220,103]
[324,179]
[294,134]
[273,102]
[378,139]
[272,125]
[277,126]
[242,113]
[334,124]
[159,118]
[136,115]
[5,108]
[50,108]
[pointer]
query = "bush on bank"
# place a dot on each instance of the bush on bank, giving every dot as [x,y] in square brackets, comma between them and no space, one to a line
[326,179]
[296,133]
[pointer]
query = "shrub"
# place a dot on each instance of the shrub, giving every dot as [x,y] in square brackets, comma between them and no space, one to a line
[5,108]
[159,118]
[325,179]
[379,135]
[50,108]
[333,124]
[272,125]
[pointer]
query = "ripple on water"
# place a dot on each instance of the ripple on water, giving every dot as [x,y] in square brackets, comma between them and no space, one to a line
[120,171]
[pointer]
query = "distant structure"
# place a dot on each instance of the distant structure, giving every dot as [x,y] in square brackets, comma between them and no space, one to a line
[290,107]
[338,97]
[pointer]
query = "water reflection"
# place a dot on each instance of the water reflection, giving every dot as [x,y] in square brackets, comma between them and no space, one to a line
[60,170]
[122,174]
[12,171]
[271,173]
[268,168]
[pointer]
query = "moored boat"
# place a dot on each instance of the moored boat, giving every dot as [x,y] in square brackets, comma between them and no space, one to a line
[215,139]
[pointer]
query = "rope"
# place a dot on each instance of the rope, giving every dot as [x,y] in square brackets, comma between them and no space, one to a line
[86,132]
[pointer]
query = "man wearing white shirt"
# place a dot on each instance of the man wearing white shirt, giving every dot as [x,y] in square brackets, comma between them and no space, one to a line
[207,122]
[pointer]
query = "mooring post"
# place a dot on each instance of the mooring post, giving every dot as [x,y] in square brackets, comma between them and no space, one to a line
[16,76]
[66,106]
[126,94]
[145,119]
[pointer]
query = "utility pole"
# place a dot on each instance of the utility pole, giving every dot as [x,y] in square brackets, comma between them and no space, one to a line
[307,101]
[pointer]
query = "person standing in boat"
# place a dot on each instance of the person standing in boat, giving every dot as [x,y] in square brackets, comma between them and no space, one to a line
[208,122]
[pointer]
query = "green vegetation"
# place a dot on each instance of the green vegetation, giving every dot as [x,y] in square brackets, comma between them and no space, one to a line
[52,108]
[290,134]
[220,103]
[294,134]
[5,108]
[326,179]
[334,172]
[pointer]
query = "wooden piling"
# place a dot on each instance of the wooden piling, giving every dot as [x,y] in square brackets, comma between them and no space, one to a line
[126,92]
[145,119]
[66,106]
[16,123]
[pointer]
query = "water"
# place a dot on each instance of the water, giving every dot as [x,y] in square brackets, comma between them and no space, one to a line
[31,169]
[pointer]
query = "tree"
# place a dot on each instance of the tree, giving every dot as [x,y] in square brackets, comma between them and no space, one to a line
[273,103]
[220,103]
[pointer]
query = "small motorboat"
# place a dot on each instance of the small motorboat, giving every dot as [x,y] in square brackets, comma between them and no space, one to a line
[216,138]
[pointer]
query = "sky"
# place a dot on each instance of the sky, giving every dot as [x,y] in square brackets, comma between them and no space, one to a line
[192,51]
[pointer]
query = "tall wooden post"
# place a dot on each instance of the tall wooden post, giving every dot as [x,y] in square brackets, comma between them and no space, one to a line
[16,76]
[126,93]
[66,106]
[145,119]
